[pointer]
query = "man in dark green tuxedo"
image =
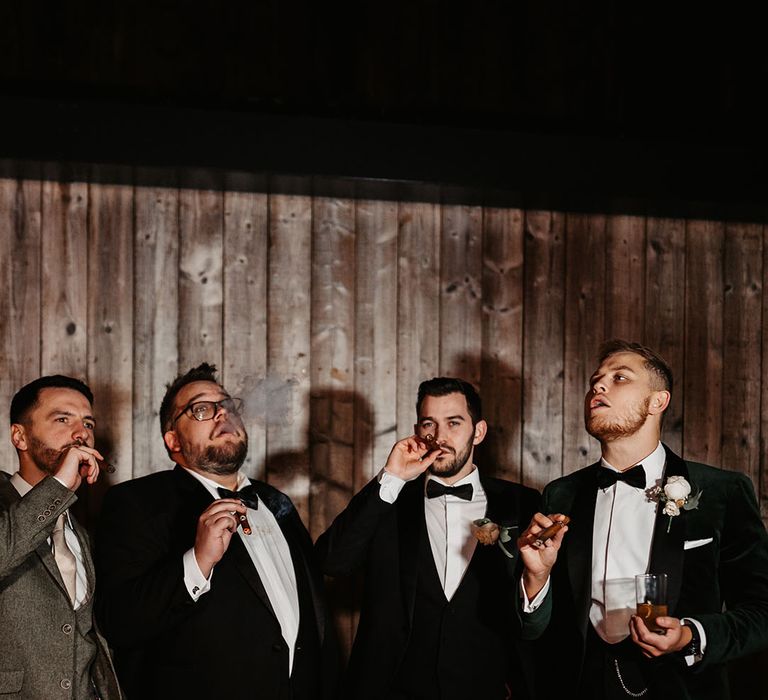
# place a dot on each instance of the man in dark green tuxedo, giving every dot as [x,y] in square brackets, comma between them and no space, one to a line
[642,509]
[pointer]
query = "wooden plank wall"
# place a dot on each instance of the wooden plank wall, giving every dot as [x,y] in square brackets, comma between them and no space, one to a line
[325,312]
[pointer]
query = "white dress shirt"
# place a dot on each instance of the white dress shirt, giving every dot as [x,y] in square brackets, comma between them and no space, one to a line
[70,536]
[622,536]
[449,527]
[271,557]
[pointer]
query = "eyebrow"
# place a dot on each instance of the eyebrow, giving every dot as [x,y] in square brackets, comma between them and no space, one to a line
[620,368]
[434,420]
[203,393]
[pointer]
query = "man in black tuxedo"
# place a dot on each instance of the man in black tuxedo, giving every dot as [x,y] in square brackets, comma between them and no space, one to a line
[441,614]
[715,555]
[207,583]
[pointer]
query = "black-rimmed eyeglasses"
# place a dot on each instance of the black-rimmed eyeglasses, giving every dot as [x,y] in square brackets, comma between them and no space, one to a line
[206,410]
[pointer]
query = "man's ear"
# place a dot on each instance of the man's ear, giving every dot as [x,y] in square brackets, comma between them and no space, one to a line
[481,429]
[19,436]
[659,402]
[172,441]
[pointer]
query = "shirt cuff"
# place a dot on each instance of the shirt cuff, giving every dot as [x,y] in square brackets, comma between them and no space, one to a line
[530,606]
[194,581]
[690,659]
[389,486]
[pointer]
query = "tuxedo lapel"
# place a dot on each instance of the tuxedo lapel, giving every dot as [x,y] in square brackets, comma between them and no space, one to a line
[667,547]
[579,545]
[411,530]
[285,514]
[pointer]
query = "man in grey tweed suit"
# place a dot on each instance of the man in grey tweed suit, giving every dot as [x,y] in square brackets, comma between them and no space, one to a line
[49,645]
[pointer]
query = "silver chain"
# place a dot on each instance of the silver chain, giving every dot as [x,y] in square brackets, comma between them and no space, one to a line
[621,680]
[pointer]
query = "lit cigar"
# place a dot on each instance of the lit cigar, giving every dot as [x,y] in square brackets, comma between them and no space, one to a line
[548,533]
[431,443]
[242,521]
[106,467]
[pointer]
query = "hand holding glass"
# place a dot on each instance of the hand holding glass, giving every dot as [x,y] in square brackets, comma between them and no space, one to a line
[651,592]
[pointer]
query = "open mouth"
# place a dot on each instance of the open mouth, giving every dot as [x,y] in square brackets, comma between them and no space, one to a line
[598,402]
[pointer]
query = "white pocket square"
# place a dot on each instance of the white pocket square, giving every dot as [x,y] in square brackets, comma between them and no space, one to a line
[692,544]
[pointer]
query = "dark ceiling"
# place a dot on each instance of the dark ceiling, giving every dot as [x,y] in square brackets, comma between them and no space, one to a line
[686,77]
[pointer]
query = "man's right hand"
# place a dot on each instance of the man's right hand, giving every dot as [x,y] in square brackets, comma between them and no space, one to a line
[77,463]
[409,458]
[215,528]
[539,557]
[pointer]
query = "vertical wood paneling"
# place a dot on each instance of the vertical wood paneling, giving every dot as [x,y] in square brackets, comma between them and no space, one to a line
[245,309]
[742,315]
[375,337]
[110,327]
[502,357]
[156,316]
[763,439]
[703,342]
[665,311]
[461,274]
[201,289]
[584,330]
[65,267]
[20,210]
[289,313]
[332,401]
[625,278]
[418,314]
[543,348]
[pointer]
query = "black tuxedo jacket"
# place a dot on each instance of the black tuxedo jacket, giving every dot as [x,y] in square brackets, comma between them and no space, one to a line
[714,556]
[228,644]
[386,540]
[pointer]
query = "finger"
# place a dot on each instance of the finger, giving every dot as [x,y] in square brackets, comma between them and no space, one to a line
[226,504]
[89,450]
[222,521]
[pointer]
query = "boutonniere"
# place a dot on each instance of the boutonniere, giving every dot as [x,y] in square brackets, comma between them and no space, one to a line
[675,495]
[488,532]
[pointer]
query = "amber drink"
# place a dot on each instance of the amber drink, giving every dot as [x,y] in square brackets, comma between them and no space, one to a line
[651,590]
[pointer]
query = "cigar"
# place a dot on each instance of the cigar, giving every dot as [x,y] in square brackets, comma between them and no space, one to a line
[243,522]
[548,533]
[106,467]
[431,443]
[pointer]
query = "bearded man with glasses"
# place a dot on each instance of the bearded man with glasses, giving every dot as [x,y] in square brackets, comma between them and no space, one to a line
[207,582]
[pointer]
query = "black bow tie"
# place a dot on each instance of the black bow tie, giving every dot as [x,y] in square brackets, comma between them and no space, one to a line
[247,495]
[435,489]
[632,477]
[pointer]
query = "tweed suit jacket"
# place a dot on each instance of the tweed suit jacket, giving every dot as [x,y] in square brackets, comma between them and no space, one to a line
[37,643]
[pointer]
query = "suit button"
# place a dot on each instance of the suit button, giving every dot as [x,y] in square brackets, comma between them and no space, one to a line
[277,647]
[298,647]
[67,629]
[66,683]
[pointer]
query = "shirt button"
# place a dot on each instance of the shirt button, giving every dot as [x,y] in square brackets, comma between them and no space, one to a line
[66,683]
[67,629]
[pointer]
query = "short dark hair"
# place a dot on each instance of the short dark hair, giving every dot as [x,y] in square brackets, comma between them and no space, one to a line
[202,373]
[654,362]
[442,386]
[27,397]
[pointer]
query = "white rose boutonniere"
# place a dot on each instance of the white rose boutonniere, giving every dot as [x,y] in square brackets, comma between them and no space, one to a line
[676,497]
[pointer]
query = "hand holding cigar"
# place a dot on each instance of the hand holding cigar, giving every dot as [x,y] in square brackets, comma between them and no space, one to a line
[539,539]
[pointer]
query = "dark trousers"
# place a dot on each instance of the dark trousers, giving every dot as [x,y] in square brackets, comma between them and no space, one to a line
[614,671]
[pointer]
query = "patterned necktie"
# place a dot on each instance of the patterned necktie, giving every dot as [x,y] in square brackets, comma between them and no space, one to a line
[435,489]
[632,477]
[65,560]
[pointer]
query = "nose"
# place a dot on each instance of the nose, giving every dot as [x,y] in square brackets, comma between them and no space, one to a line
[598,387]
[81,434]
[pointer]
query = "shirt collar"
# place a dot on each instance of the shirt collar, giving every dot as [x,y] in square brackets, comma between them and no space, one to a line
[212,486]
[653,465]
[472,478]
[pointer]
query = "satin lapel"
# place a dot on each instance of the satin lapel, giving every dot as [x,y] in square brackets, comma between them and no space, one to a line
[495,512]
[578,544]
[667,547]
[199,498]
[411,530]
[288,519]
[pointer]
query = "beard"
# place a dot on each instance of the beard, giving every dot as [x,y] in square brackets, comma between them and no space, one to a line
[607,430]
[452,468]
[217,459]
[46,459]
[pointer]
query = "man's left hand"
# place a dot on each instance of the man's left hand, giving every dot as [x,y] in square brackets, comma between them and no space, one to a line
[677,637]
